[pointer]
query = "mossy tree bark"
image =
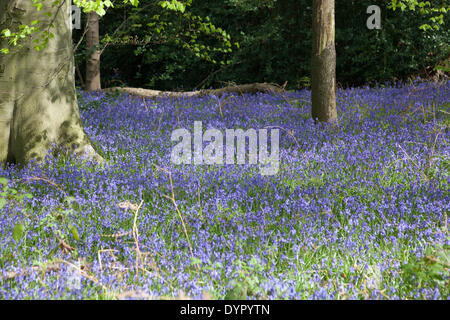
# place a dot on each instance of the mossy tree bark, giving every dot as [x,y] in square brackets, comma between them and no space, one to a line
[93,54]
[323,73]
[38,103]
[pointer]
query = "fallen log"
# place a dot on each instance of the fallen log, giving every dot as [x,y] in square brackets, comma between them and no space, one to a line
[148,93]
[246,88]
[233,88]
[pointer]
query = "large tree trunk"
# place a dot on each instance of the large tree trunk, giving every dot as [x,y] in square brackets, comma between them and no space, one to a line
[323,77]
[93,54]
[38,103]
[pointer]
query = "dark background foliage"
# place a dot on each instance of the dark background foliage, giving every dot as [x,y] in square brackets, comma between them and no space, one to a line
[274,39]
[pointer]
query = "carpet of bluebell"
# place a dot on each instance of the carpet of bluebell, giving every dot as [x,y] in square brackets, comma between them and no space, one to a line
[356,211]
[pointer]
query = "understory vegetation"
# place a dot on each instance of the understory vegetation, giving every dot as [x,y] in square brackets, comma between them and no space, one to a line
[357,211]
[273,45]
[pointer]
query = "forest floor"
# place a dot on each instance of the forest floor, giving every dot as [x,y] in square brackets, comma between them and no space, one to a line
[356,211]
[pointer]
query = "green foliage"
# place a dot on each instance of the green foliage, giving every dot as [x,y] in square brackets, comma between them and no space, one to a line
[246,283]
[400,49]
[445,67]
[434,10]
[430,270]
[189,44]
[75,233]
[58,221]
[237,292]
[18,231]
[270,41]
[165,38]
[15,38]
[251,5]
[98,6]
[11,195]
[174,5]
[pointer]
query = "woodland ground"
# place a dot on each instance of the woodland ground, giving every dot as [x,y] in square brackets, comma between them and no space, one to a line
[357,211]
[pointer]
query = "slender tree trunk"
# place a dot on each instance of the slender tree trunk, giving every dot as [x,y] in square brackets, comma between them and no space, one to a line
[38,103]
[93,54]
[323,77]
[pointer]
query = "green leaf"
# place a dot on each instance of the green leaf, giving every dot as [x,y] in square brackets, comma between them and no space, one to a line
[238,292]
[38,6]
[69,199]
[6,33]
[3,181]
[75,233]
[134,2]
[2,202]
[18,231]
[195,260]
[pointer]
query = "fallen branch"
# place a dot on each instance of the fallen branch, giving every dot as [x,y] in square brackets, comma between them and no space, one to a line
[246,88]
[233,88]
